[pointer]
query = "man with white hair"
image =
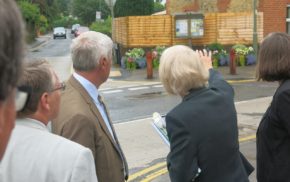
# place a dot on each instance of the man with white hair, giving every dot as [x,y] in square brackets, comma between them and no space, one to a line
[84,117]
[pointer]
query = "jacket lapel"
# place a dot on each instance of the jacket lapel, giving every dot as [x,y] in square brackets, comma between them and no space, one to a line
[75,84]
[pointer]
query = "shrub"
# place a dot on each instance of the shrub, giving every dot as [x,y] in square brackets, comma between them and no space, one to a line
[240,49]
[219,54]
[131,57]
[156,54]
[104,27]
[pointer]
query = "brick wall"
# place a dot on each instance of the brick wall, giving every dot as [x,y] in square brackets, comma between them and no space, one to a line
[275,11]
[274,15]
[223,5]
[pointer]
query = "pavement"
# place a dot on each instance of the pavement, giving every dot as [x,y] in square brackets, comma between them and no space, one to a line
[140,75]
[145,150]
[39,41]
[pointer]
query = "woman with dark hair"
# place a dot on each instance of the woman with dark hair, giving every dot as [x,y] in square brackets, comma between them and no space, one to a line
[273,135]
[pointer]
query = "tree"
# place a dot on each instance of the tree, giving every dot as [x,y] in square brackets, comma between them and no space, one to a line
[31,14]
[133,7]
[158,7]
[63,6]
[86,10]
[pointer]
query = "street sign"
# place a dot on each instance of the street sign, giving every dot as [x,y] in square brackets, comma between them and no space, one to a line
[98,15]
[110,3]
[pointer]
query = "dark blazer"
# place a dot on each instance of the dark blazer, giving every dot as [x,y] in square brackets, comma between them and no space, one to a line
[203,134]
[80,120]
[273,138]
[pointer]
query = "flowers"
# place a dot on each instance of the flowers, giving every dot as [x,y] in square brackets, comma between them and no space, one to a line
[243,54]
[240,49]
[156,54]
[219,54]
[131,57]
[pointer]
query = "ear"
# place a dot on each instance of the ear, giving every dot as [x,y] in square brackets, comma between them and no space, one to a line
[44,101]
[103,62]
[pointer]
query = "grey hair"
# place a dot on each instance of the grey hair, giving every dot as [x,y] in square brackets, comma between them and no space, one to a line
[11,46]
[181,70]
[38,75]
[89,48]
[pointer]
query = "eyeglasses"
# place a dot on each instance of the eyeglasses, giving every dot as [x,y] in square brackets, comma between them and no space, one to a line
[60,87]
[21,97]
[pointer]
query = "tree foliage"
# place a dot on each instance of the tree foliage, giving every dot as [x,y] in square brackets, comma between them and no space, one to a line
[133,7]
[30,12]
[158,7]
[86,10]
[104,27]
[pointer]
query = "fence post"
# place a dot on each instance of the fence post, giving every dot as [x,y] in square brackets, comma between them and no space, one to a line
[233,62]
[149,65]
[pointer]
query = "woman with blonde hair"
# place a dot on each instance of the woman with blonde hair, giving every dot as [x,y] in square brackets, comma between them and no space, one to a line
[202,129]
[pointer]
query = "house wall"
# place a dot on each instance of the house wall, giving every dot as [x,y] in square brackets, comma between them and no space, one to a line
[274,11]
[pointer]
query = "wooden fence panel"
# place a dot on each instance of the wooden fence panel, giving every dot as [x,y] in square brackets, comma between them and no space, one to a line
[150,31]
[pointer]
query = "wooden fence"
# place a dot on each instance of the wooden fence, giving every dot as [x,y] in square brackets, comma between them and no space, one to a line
[150,31]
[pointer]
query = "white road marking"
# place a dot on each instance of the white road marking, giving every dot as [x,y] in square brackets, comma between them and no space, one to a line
[112,91]
[137,88]
[158,86]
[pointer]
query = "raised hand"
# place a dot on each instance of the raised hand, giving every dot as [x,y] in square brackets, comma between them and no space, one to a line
[205,56]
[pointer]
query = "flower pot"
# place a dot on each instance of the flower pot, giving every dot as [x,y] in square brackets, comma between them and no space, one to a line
[141,62]
[215,63]
[224,60]
[242,60]
[251,59]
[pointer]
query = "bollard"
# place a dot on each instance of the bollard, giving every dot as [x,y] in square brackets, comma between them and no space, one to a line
[233,62]
[149,65]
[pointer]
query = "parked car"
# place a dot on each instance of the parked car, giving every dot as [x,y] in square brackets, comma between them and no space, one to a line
[59,32]
[81,30]
[74,28]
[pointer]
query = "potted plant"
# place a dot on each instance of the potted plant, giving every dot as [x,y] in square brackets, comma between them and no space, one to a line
[216,49]
[215,59]
[224,58]
[241,52]
[156,54]
[251,57]
[133,59]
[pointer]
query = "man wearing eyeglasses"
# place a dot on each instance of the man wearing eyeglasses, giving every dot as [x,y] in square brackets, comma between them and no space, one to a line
[35,154]
[11,54]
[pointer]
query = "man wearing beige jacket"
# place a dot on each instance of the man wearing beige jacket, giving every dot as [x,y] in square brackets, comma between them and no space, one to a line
[83,116]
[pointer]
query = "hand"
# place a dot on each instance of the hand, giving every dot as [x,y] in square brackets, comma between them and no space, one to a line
[205,56]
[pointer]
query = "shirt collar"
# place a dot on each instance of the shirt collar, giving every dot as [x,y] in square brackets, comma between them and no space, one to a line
[89,87]
[32,123]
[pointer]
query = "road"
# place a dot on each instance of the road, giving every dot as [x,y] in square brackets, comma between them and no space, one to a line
[128,101]
[136,100]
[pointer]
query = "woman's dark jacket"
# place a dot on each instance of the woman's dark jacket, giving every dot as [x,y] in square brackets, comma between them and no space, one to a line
[203,134]
[273,139]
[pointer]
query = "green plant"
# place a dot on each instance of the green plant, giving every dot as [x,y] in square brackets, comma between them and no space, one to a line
[215,47]
[251,50]
[103,26]
[240,49]
[156,54]
[132,56]
[217,50]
